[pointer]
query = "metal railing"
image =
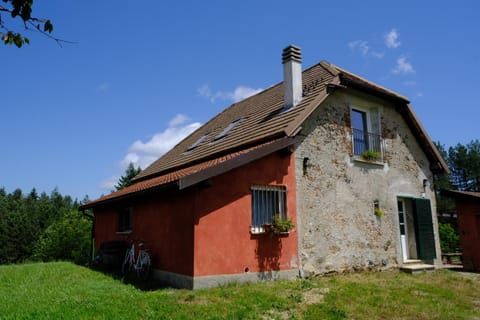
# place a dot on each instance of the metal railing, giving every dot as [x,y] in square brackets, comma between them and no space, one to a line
[363,141]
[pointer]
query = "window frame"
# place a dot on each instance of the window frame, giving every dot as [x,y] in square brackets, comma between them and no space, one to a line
[125,220]
[226,130]
[370,138]
[265,201]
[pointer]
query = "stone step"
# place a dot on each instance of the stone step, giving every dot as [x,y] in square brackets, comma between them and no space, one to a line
[417,268]
[412,261]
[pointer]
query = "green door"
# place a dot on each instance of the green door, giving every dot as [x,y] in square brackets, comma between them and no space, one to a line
[424,229]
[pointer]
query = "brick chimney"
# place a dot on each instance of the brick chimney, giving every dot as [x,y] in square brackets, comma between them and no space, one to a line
[292,75]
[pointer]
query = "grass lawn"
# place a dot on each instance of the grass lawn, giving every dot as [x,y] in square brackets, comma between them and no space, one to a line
[63,290]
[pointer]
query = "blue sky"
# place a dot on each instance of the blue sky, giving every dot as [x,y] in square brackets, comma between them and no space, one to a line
[141,75]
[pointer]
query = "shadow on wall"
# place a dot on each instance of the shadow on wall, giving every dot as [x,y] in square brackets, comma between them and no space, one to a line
[268,253]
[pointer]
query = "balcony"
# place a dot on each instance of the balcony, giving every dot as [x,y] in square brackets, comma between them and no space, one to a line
[367,143]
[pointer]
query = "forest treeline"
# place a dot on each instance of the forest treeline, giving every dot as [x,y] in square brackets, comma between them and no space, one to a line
[464,164]
[42,227]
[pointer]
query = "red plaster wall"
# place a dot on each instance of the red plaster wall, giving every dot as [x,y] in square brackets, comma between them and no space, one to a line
[217,217]
[469,228]
[223,243]
[163,221]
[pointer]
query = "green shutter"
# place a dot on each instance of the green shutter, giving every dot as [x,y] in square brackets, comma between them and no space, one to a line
[424,229]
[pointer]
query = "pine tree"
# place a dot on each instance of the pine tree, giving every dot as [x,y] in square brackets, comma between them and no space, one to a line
[126,179]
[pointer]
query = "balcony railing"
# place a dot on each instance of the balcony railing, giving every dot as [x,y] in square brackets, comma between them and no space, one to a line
[363,141]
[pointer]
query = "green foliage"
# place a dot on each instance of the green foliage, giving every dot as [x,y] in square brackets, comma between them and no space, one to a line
[66,239]
[464,164]
[24,218]
[21,9]
[379,213]
[126,179]
[449,239]
[280,225]
[370,155]
[63,290]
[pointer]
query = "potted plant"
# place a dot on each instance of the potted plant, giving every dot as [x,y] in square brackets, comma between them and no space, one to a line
[370,155]
[379,213]
[281,225]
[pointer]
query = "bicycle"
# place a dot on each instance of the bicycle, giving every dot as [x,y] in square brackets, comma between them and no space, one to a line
[141,265]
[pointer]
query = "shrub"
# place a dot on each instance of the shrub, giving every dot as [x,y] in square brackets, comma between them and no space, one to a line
[449,240]
[66,239]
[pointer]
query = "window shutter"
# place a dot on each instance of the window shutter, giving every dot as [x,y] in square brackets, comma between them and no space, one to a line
[424,230]
[375,120]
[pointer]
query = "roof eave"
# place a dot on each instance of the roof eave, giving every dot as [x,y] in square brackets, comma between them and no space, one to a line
[109,200]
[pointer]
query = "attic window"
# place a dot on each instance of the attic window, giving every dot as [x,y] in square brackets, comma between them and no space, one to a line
[225,131]
[198,142]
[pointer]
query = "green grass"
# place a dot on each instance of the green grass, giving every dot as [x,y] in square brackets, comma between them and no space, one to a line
[65,291]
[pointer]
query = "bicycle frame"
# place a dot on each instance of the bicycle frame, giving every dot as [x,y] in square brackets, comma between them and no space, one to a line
[140,264]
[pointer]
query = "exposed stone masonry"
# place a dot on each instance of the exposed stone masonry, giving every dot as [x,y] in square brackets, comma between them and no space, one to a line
[338,230]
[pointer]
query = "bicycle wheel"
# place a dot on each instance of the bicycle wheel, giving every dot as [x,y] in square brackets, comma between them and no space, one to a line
[127,262]
[143,265]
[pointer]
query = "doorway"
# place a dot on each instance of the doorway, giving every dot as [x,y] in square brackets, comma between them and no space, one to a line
[416,229]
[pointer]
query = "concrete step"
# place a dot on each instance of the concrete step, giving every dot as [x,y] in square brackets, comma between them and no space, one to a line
[414,268]
[412,261]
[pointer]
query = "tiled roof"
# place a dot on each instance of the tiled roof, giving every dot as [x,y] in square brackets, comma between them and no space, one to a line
[256,122]
[218,165]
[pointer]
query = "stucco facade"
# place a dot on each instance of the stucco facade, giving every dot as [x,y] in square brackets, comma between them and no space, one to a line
[200,237]
[336,190]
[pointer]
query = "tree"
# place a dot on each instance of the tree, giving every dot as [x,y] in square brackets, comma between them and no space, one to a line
[25,217]
[22,9]
[464,163]
[65,239]
[449,239]
[126,179]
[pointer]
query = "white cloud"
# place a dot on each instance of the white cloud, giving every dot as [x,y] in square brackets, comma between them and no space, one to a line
[391,39]
[359,45]
[403,66]
[239,93]
[110,183]
[178,120]
[143,153]
[363,47]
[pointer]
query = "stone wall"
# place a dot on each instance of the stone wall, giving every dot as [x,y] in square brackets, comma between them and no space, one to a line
[338,230]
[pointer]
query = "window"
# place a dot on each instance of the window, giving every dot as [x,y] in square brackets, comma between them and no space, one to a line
[198,142]
[267,201]
[125,220]
[225,131]
[366,131]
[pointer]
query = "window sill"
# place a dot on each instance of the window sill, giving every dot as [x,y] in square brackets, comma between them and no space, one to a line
[261,231]
[124,232]
[359,159]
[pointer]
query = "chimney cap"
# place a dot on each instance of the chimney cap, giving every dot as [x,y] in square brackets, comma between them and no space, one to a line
[292,52]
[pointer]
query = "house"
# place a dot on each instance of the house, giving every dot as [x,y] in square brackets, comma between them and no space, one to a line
[468,219]
[346,160]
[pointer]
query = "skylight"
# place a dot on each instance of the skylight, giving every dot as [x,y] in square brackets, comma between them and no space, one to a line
[198,142]
[225,131]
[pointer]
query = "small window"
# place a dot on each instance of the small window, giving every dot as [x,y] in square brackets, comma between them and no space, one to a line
[198,142]
[225,131]
[267,201]
[125,220]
